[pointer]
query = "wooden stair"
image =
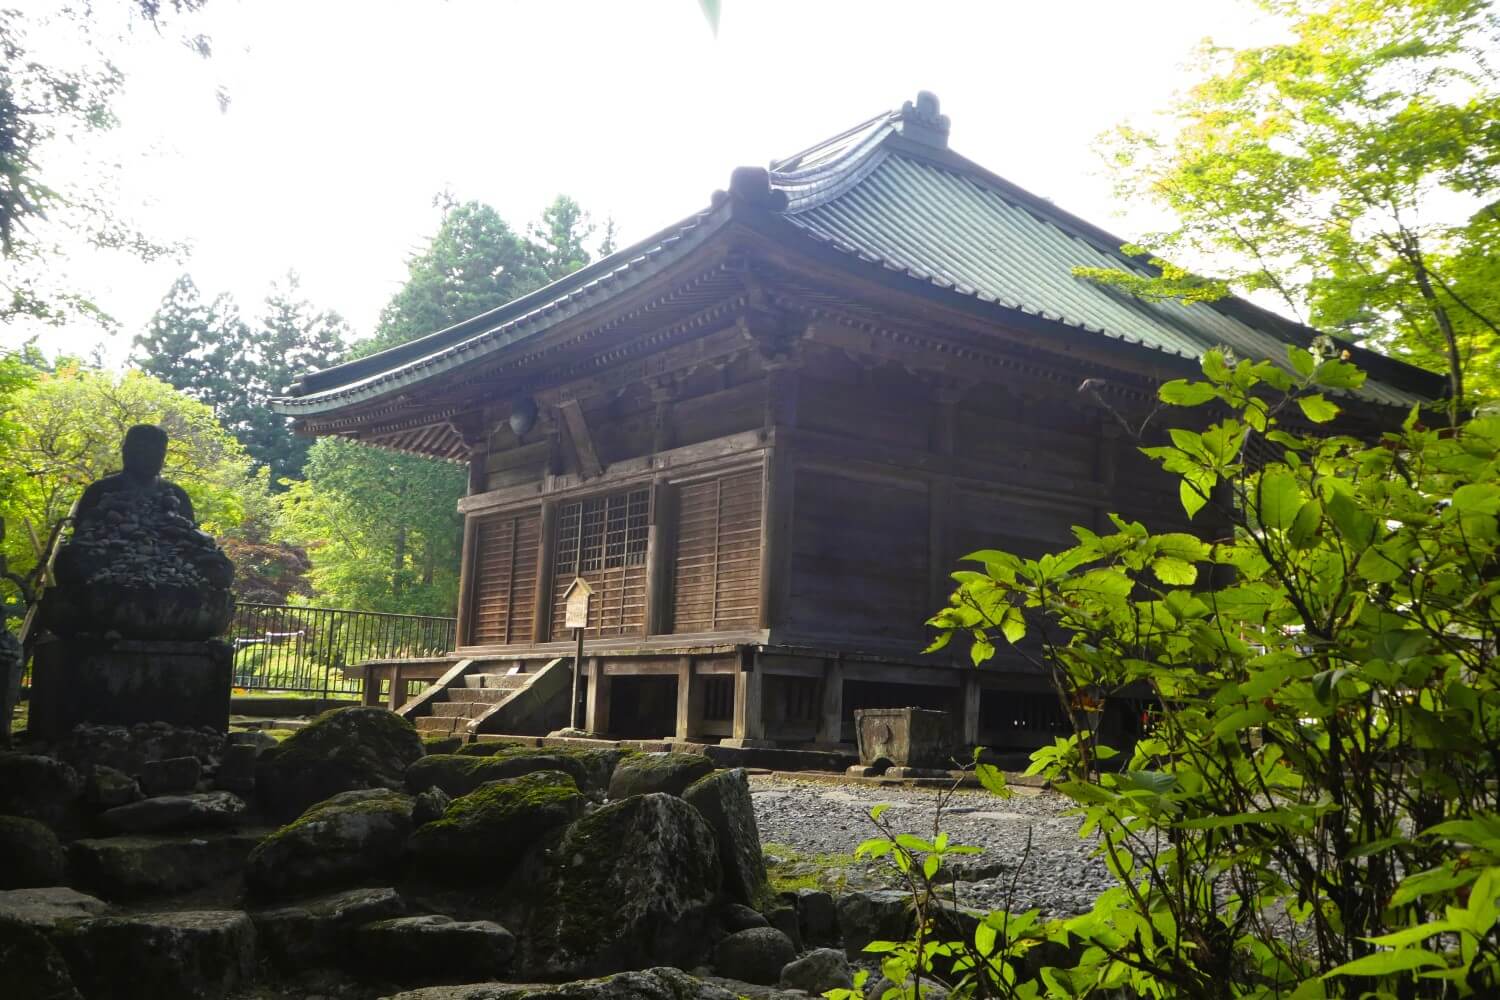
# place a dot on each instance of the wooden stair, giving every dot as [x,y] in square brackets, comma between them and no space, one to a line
[452,708]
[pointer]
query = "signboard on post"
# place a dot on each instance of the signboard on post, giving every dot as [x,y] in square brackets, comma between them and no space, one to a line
[576,603]
[576,617]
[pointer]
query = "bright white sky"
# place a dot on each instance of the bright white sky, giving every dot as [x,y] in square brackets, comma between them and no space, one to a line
[347,118]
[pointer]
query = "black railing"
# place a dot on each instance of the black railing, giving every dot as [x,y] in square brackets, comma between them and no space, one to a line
[282,647]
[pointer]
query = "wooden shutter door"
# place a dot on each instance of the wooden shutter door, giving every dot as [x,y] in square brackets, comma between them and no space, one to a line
[504,591]
[603,539]
[716,582]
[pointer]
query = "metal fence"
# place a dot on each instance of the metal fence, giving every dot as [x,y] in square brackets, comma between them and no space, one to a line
[281,647]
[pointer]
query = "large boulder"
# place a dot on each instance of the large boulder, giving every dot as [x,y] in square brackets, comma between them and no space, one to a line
[819,971]
[631,889]
[878,915]
[460,774]
[724,800]
[45,909]
[754,955]
[106,787]
[175,812]
[645,773]
[32,855]
[31,966]
[435,948]
[817,917]
[650,984]
[339,751]
[41,788]
[339,841]
[318,931]
[158,864]
[147,956]
[498,820]
[591,766]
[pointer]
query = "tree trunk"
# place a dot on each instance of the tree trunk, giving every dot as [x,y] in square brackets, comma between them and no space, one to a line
[398,562]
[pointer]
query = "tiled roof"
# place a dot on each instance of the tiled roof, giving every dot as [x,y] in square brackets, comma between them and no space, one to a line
[889,192]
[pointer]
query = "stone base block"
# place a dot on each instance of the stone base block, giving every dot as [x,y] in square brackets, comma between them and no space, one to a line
[125,681]
[748,744]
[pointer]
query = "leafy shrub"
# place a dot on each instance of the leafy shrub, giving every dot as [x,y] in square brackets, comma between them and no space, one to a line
[1315,811]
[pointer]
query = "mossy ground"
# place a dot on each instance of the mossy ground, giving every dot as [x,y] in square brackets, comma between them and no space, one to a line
[789,869]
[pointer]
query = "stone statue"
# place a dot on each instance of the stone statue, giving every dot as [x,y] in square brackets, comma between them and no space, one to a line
[137,566]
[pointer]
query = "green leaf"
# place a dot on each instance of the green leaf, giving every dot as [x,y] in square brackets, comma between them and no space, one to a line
[1192,500]
[1336,374]
[1302,361]
[1181,392]
[1013,625]
[1317,409]
[1174,572]
[1278,499]
[1383,963]
[1305,524]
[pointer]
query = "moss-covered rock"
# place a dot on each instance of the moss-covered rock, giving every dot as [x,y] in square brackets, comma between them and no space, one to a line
[349,837]
[158,864]
[461,773]
[33,856]
[442,744]
[632,887]
[645,773]
[339,751]
[435,948]
[41,788]
[651,984]
[497,821]
[724,800]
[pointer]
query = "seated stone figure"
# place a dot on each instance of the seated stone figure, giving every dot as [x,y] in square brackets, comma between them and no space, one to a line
[136,565]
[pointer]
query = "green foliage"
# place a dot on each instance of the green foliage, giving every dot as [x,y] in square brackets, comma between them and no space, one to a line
[1349,170]
[210,352]
[67,427]
[58,86]
[1315,809]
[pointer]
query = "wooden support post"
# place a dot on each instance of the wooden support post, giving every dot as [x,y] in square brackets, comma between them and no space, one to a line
[466,582]
[689,700]
[748,723]
[661,543]
[972,692]
[596,720]
[541,620]
[584,451]
[831,722]
[663,427]
[776,502]
[370,693]
[397,696]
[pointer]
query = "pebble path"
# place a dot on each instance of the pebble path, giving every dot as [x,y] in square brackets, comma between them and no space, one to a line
[1060,876]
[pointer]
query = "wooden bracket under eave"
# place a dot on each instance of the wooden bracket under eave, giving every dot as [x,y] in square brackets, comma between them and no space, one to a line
[584,451]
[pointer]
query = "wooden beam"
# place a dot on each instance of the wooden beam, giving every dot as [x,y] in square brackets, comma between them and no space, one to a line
[541,622]
[466,582]
[583,441]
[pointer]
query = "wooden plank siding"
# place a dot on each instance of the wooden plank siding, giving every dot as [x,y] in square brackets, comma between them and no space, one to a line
[504,591]
[716,579]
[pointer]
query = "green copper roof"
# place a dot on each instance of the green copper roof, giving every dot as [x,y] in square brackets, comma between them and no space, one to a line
[890,194]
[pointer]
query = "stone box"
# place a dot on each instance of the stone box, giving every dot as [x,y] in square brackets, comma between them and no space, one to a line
[125,681]
[905,737]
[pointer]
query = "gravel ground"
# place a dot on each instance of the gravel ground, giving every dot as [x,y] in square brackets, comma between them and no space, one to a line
[1060,876]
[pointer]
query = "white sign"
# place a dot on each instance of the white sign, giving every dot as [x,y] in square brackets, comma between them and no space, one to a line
[576,602]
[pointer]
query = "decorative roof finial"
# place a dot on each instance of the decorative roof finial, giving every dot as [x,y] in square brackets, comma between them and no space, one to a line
[923,122]
[752,185]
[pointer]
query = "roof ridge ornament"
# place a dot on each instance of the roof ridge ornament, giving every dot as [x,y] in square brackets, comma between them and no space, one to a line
[923,122]
[752,185]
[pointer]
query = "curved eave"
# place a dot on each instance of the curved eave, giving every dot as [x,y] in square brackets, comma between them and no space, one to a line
[373,378]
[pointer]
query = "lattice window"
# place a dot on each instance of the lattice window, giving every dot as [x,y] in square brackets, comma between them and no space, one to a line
[603,539]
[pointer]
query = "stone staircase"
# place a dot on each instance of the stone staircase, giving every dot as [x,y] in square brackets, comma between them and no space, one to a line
[455,708]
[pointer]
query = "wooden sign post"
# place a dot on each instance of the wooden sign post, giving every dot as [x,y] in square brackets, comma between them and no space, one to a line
[576,617]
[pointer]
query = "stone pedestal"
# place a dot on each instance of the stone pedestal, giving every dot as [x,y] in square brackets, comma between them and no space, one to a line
[125,681]
[905,737]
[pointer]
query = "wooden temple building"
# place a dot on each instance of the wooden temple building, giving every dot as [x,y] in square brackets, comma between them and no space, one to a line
[766,434]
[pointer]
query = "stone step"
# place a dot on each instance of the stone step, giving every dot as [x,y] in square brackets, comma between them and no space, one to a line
[487,695]
[460,709]
[506,681]
[444,725]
